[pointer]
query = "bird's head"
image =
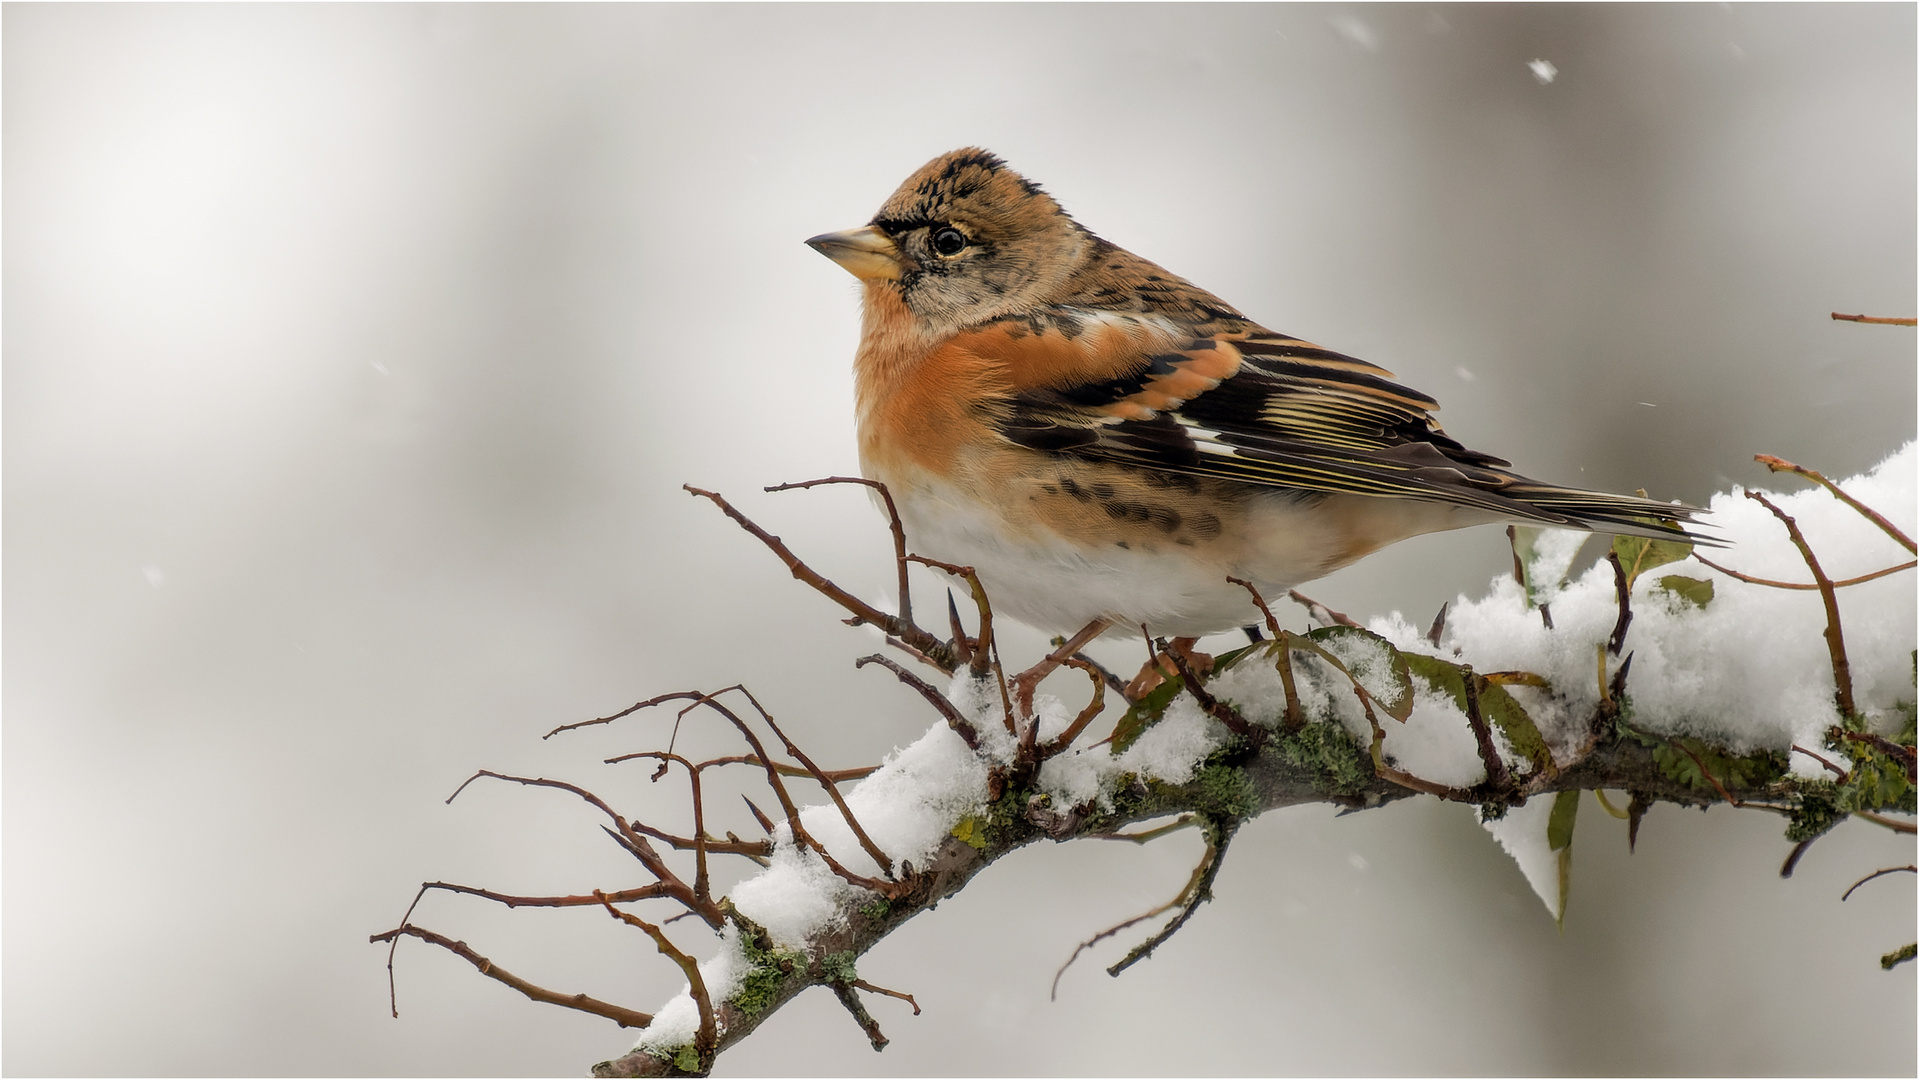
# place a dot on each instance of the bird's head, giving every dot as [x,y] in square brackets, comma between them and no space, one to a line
[964,240]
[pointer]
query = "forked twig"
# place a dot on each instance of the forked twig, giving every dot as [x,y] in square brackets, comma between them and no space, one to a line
[708,1039]
[936,652]
[620,1015]
[893,519]
[1769,583]
[1835,639]
[1782,465]
[937,700]
[1086,715]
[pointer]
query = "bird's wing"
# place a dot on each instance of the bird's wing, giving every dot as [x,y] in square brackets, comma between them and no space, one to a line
[1248,405]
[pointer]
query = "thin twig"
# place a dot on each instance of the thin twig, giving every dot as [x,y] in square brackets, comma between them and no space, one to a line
[892,517]
[1879,874]
[1792,860]
[1184,821]
[707,1040]
[623,831]
[1860,580]
[800,836]
[1198,892]
[937,652]
[954,719]
[1875,319]
[1782,465]
[851,1000]
[873,850]
[1214,707]
[1835,639]
[618,1014]
[1624,589]
[1842,774]
[871,989]
[1185,893]
[1882,820]
[1086,715]
[1497,776]
[1295,717]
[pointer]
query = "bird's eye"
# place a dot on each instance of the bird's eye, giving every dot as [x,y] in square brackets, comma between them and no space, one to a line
[949,241]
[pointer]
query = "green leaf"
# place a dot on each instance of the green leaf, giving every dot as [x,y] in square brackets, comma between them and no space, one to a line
[1638,554]
[1144,713]
[1559,827]
[1224,661]
[1559,837]
[1694,591]
[1497,707]
[1372,661]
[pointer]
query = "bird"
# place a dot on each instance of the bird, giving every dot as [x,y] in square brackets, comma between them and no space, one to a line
[1106,444]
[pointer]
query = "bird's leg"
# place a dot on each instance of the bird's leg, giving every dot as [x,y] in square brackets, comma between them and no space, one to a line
[1154,671]
[1027,681]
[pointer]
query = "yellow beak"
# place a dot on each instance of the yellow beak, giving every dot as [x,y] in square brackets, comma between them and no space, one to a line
[865,253]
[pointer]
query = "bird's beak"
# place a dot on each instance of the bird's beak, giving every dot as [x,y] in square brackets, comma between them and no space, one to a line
[866,253]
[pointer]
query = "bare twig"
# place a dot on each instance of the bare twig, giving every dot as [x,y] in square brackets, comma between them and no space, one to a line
[1782,465]
[1860,580]
[1198,891]
[1093,708]
[933,697]
[1184,821]
[1185,897]
[707,1040]
[1792,860]
[800,835]
[1620,583]
[1875,319]
[873,850]
[1842,774]
[1295,718]
[883,991]
[630,838]
[937,652]
[1835,639]
[1497,776]
[1213,707]
[1879,874]
[1891,823]
[893,519]
[849,998]
[620,1015]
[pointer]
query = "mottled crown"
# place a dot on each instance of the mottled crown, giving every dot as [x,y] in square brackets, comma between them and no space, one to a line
[971,186]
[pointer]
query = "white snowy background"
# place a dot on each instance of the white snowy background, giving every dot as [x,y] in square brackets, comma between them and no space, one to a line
[353,357]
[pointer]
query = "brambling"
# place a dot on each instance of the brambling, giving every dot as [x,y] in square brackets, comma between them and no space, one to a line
[1105,443]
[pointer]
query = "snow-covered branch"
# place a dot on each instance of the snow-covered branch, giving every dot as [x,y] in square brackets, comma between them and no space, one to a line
[1657,673]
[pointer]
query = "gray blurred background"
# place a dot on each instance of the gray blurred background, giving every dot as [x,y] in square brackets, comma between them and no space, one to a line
[354,357]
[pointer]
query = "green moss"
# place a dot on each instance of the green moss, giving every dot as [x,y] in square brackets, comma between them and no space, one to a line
[1329,754]
[772,966]
[1225,791]
[838,967]
[1815,810]
[687,1060]
[972,831]
[877,910]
